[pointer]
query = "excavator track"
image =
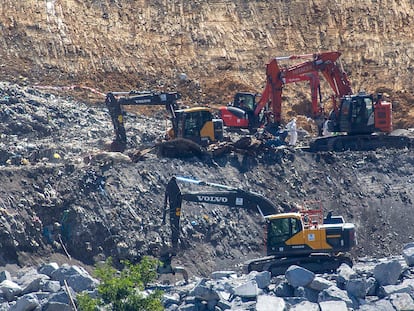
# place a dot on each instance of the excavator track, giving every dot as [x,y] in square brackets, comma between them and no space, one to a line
[317,263]
[360,143]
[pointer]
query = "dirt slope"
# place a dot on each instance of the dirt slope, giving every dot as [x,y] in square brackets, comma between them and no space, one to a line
[222,46]
[109,206]
[61,194]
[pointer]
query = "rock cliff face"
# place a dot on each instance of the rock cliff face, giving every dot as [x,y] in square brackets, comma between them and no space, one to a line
[222,46]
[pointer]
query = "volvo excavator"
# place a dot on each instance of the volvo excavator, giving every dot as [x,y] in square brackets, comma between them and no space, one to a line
[196,124]
[360,121]
[302,237]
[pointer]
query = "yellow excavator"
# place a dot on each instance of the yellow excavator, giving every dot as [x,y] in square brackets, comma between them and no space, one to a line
[303,237]
[196,124]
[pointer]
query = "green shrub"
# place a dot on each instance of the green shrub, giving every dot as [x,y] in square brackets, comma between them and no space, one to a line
[122,290]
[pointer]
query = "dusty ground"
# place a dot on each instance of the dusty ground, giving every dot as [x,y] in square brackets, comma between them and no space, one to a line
[112,206]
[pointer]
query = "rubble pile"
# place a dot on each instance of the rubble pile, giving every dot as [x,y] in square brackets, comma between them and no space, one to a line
[61,193]
[49,287]
[370,285]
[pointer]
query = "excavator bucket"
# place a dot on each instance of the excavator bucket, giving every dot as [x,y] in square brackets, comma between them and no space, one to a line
[172,205]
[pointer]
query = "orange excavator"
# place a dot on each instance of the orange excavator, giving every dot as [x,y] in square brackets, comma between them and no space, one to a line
[302,237]
[363,120]
[248,110]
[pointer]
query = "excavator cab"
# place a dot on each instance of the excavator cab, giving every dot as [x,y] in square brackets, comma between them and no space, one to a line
[307,232]
[197,124]
[356,114]
[241,112]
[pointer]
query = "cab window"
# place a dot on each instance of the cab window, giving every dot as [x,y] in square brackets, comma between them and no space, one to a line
[280,230]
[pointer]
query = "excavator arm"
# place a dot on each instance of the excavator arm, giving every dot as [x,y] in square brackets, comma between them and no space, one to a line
[277,77]
[115,100]
[226,196]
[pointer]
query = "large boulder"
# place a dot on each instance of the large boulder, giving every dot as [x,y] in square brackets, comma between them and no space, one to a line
[76,277]
[246,290]
[333,306]
[203,292]
[26,303]
[319,283]
[10,290]
[262,278]
[388,272]
[345,273]
[408,254]
[298,276]
[402,301]
[357,287]
[266,303]
[336,294]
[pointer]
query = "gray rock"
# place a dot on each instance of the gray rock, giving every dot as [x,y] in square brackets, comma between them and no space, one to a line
[284,289]
[305,306]
[243,305]
[57,306]
[48,269]
[170,299]
[10,289]
[51,286]
[402,301]
[298,276]
[201,291]
[372,286]
[224,305]
[42,296]
[266,303]
[188,307]
[5,306]
[222,274]
[387,290]
[76,277]
[409,282]
[319,284]
[345,273]
[311,294]
[262,278]
[299,291]
[5,275]
[36,284]
[27,276]
[335,293]
[291,301]
[26,303]
[333,306]
[357,287]
[408,254]
[61,297]
[388,273]
[380,305]
[246,290]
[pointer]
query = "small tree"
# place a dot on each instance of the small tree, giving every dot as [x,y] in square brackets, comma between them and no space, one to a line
[122,290]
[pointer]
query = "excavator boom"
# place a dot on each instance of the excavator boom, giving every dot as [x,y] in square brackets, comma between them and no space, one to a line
[277,77]
[115,100]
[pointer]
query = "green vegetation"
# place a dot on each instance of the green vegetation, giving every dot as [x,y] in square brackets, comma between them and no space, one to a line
[122,290]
